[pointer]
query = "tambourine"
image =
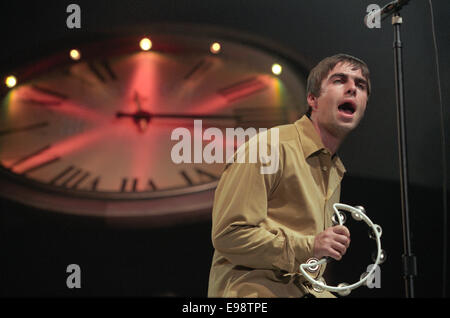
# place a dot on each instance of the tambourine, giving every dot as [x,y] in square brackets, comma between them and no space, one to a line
[344,289]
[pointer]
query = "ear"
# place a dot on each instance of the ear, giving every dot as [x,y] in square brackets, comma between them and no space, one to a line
[312,101]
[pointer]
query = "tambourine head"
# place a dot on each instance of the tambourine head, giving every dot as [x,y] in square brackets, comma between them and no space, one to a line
[344,289]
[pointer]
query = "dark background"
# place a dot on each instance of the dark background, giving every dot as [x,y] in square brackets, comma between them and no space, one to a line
[36,246]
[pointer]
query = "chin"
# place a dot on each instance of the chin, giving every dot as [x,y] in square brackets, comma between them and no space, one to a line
[343,129]
[349,124]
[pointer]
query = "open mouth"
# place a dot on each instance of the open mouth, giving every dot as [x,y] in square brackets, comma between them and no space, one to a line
[347,108]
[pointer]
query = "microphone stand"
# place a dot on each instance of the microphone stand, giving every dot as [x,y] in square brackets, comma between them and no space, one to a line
[409,259]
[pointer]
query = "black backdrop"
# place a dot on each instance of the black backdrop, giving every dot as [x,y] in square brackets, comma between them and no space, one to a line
[37,246]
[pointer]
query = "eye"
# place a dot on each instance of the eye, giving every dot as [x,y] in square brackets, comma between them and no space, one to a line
[361,86]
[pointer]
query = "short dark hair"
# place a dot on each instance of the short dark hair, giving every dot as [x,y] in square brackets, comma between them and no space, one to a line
[323,68]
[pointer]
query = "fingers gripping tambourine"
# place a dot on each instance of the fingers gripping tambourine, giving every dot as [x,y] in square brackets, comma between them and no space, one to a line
[343,289]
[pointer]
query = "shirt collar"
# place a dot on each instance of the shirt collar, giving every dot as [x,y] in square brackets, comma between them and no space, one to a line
[339,165]
[310,139]
[311,142]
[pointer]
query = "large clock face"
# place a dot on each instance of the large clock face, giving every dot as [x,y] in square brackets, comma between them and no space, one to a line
[101,127]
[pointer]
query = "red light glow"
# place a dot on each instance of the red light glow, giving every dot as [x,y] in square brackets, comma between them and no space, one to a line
[61,149]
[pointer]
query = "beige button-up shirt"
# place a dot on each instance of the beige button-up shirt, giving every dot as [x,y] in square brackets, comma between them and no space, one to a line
[263,225]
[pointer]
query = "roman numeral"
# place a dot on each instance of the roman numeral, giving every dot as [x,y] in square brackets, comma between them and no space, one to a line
[73,178]
[82,177]
[210,176]
[44,96]
[68,72]
[201,175]
[94,184]
[152,185]
[49,92]
[133,185]
[242,89]
[199,69]
[61,175]
[186,177]
[102,70]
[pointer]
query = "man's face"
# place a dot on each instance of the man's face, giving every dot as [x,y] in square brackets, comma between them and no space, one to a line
[342,101]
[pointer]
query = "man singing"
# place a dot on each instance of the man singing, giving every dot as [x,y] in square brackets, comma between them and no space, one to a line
[265,225]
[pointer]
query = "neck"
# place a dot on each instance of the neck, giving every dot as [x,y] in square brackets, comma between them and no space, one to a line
[329,140]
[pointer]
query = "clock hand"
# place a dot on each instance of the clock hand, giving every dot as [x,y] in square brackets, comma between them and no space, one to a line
[54,152]
[264,117]
[136,99]
[57,102]
[142,118]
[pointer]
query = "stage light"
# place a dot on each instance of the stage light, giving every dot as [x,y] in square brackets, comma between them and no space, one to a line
[145,44]
[215,48]
[75,55]
[11,81]
[277,69]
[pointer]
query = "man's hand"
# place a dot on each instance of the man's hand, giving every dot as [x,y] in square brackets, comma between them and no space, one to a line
[332,242]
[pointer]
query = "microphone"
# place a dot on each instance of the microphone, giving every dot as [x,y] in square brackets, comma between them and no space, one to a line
[384,12]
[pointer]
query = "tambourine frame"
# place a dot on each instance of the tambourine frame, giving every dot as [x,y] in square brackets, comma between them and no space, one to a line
[343,288]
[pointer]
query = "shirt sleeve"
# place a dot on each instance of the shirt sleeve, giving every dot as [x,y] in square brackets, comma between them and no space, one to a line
[240,208]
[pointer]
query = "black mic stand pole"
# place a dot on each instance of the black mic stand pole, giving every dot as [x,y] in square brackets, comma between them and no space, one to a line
[409,259]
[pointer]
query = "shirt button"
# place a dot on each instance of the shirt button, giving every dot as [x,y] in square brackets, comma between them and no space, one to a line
[324,168]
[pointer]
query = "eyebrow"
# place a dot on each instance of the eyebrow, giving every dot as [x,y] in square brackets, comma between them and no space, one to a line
[357,79]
